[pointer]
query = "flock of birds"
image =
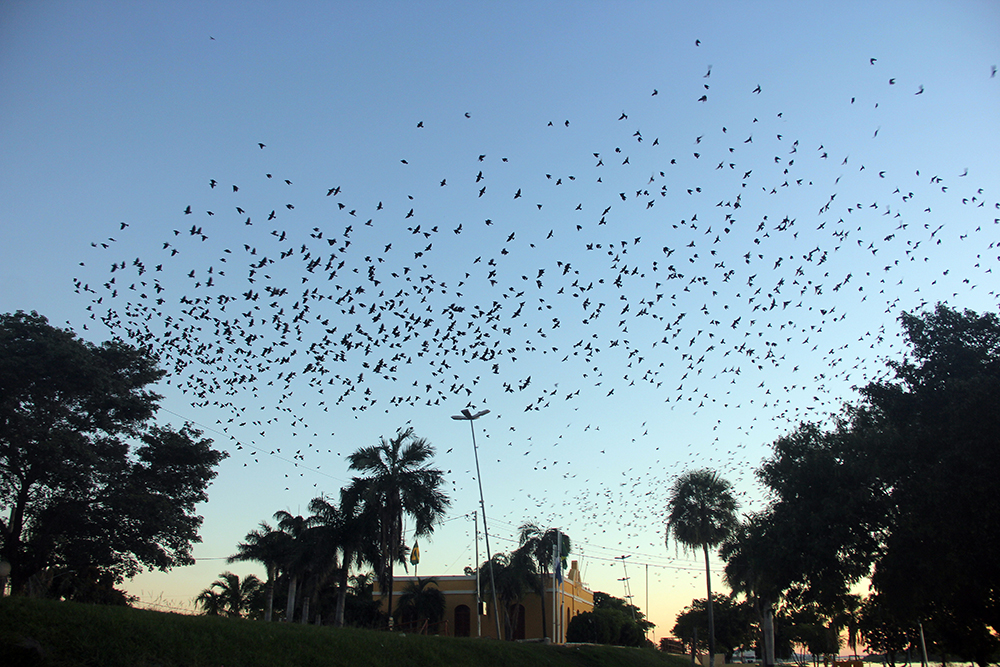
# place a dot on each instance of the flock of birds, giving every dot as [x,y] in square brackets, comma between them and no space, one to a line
[730,268]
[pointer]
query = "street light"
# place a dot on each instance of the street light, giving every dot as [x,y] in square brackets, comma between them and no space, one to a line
[468,416]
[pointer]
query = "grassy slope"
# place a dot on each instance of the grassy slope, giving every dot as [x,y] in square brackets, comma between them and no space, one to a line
[69,634]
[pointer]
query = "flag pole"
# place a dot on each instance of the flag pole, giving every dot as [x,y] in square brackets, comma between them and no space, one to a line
[555,609]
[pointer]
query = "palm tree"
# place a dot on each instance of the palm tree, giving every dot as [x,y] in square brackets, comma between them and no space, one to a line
[514,574]
[425,599]
[292,562]
[210,600]
[230,595]
[328,535]
[541,546]
[701,512]
[268,547]
[399,481]
[357,539]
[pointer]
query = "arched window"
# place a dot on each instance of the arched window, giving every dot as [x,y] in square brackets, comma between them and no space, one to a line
[516,612]
[463,621]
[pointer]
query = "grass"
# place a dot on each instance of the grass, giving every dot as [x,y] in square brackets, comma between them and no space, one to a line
[65,634]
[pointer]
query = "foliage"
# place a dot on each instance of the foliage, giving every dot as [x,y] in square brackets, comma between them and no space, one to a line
[356,537]
[231,596]
[361,609]
[825,516]
[293,560]
[903,488]
[613,621]
[86,479]
[753,570]
[399,481]
[423,599]
[91,586]
[811,628]
[266,546]
[882,632]
[701,513]
[514,575]
[733,624]
[540,546]
[701,510]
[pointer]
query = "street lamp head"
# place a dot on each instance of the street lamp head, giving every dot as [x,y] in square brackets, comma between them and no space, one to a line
[469,416]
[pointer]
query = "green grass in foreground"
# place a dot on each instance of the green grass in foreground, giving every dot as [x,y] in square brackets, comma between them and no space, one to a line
[64,634]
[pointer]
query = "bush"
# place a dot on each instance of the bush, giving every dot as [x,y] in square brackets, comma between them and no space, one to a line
[605,626]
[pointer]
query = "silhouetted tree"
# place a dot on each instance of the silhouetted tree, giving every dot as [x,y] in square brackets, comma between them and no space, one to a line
[87,479]
[701,513]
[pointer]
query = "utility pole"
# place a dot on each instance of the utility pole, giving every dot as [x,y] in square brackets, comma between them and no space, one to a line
[647,594]
[628,589]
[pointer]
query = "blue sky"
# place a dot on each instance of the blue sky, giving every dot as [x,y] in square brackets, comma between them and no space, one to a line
[814,191]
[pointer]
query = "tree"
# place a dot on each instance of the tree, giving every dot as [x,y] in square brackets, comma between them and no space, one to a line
[826,513]
[901,482]
[231,596]
[882,632]
[424,600]
[540,546]
[325,536]
[701,512]
[753,570]
[614,620]
[361,609]
[266,546]
[87,480]
[294,559]
[514,575]
[933,435]
[400,482]
[732,623]
[603,626]
[357,539]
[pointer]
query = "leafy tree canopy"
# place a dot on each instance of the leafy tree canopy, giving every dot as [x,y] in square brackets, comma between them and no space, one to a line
[903,488]
[87,479]
[733,624]
[605,601]
[603,626]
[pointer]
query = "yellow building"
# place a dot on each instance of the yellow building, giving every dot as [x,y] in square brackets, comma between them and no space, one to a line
[460,620]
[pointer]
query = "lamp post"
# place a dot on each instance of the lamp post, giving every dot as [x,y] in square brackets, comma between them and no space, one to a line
[468,416]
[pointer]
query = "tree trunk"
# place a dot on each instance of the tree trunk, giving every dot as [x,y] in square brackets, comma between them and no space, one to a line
[711,616]
[269,594]
[389,590]
[769,636]
[290,605]
[338,619]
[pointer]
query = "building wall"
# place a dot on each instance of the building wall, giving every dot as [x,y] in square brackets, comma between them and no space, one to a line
[460,590]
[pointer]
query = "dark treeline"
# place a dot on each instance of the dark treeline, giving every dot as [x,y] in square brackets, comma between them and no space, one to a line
[900,489]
